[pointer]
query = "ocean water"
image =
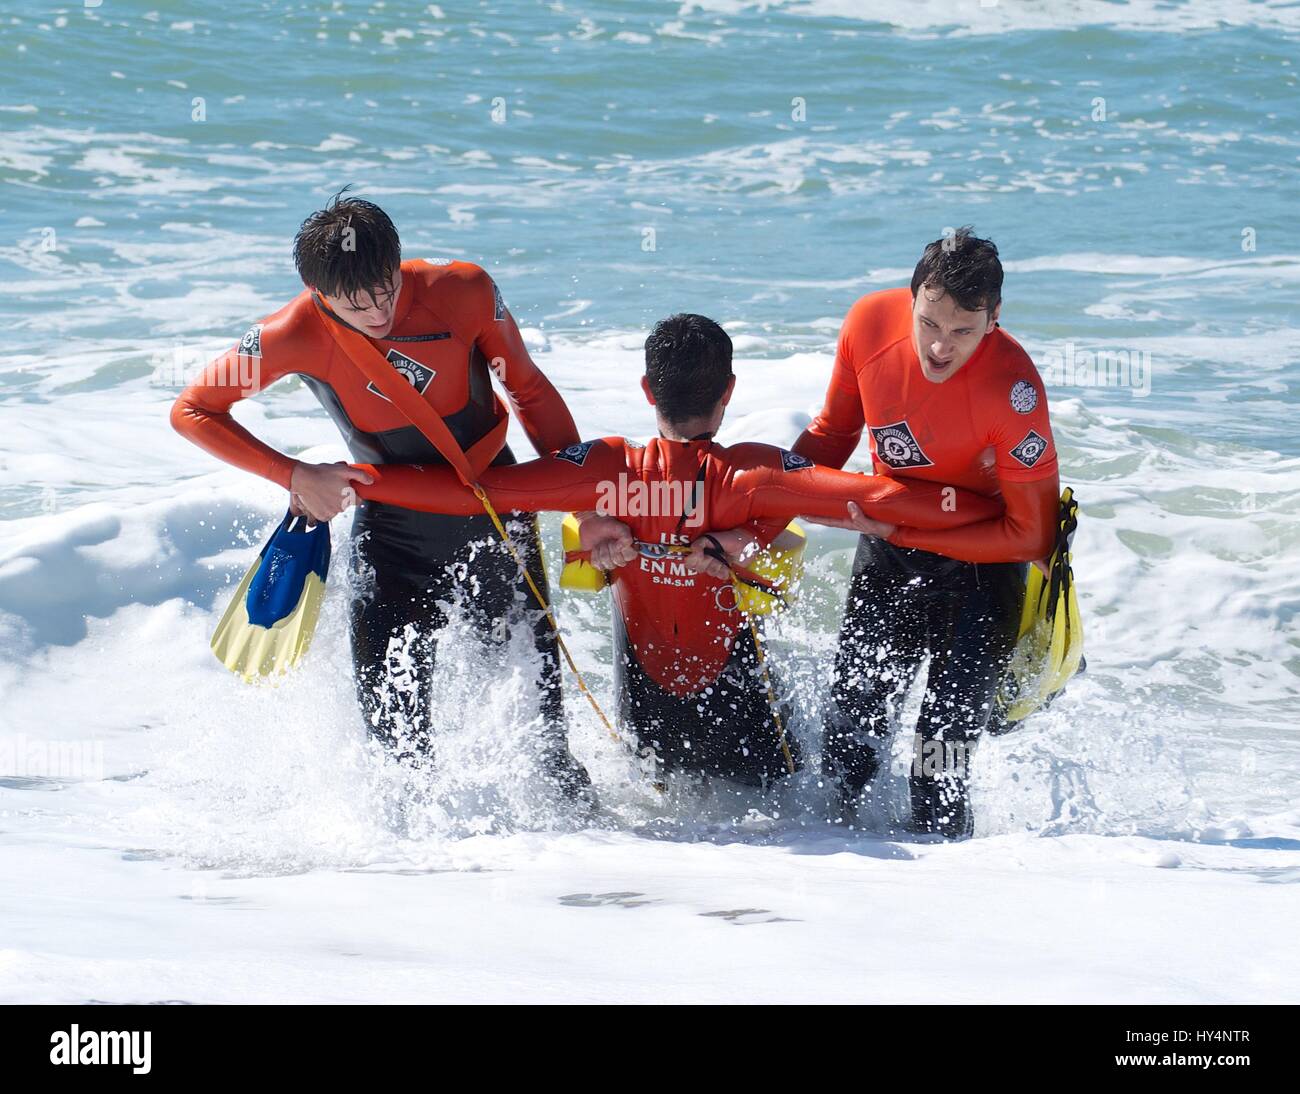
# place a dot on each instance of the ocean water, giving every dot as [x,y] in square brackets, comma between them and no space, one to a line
[611,163]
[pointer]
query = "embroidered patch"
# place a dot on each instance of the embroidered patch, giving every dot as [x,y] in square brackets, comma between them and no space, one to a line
[576,453]
[1024,397]
[438,261]
[1030,450]
[896,446]
[417,375]
[251,344]
[792,461]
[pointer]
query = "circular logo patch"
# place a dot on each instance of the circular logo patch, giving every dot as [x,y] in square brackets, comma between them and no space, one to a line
[1024,397]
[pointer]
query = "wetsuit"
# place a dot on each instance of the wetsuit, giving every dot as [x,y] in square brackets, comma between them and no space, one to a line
[952,594]
[687,680]
[450,331]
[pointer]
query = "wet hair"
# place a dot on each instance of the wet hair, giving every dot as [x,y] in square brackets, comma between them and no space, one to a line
[349,249]
[687,365]
[964,267]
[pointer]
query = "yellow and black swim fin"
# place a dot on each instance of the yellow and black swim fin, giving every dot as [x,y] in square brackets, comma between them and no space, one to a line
[270,622]
[1049,646]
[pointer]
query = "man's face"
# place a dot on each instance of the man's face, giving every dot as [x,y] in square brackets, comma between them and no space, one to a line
[945,335]
[370,312]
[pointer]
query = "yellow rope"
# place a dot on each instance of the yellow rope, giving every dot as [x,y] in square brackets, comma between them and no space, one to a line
[771,695]
[481,494]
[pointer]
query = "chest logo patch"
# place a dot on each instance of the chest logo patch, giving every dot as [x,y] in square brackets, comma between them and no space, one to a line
[1024,397]
[417,375]
[896,446]
[575,454]
[1030,450]
[792,461]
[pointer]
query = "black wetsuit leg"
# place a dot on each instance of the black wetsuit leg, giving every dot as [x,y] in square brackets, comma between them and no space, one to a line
[903,606]
[407,564]
[973,631]
[726,730]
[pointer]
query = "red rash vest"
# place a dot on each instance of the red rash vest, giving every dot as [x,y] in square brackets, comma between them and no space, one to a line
[985,429]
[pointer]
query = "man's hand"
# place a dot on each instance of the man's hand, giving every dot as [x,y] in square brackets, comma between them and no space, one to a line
[737,545]
[858,521]
[322,491]
[609,540]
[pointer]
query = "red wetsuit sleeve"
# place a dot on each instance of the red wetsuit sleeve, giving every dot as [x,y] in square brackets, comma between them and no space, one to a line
[565,481]
[826,492]
[1020,433]
[1024,533]
[837,429]
[202,412]
[536,403]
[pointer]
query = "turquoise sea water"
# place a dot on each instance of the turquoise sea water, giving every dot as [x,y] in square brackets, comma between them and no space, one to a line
[786,157]
[763,163]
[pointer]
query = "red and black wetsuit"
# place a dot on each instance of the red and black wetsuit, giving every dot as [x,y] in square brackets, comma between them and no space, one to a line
[953,594]
[450,332]
[684,659]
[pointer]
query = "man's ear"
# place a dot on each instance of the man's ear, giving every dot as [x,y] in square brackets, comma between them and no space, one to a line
[731,386]
[645,386]
[993,317]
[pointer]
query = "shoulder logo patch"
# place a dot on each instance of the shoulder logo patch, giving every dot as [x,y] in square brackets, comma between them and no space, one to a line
[896,446]
[419,376]
[1030,450]
[1024,397]
[792,461]
[500,306]
[576,453]
[251,344]
[438,261]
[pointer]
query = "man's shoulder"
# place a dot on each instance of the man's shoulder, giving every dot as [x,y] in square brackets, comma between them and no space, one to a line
[752,454]
[883,305]
[291,327]
[1009,360]
[601,449]
[445,274]
[877,321]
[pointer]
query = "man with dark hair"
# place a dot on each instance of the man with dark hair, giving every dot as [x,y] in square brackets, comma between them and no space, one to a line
[946,395]
[688,678]
[444,328]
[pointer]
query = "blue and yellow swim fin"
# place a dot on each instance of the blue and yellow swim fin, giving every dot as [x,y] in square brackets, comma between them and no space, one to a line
[270,622]
[1049,646]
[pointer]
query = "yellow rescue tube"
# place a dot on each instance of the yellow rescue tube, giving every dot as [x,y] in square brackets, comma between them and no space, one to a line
[578,574]
[781,567]
[777,570]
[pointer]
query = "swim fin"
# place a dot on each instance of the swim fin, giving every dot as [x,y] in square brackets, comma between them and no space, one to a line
[270,622]
[1049,645]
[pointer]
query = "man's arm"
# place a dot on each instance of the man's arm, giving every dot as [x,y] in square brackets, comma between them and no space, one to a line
[536,403]
[268,352]
[202,415]
[561,482]
[1024,533]
[825,492]
[1020,433]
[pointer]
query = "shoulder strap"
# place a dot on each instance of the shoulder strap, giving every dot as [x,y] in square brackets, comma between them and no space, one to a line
[358,349]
